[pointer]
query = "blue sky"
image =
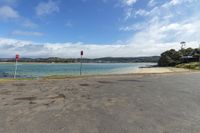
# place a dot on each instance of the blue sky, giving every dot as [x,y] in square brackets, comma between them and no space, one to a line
[36,28]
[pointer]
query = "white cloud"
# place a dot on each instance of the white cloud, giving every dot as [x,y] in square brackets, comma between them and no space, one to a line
[165,10]
[134,27]
[129,2]
[168,32]
[46,8]
[172,23]
[7,12]
[142,12]
[152,3]
[165,26]
[128,13]
[27,33]
[178,2]
[9,47]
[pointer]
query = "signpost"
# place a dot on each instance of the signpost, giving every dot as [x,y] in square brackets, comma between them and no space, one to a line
[199,56]
[81,62]
[16,61]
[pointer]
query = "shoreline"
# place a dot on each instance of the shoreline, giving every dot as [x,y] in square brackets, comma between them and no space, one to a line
[139,71]
[152,70]
[77,63]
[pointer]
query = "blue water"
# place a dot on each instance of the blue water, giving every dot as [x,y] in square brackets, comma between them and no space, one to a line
[40,70]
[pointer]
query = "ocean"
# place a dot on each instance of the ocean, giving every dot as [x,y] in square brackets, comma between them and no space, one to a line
[47,69]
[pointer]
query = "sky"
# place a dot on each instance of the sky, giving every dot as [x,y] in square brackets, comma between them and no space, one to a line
[101,28]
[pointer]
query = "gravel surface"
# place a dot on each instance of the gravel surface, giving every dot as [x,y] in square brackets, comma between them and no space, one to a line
[150,103]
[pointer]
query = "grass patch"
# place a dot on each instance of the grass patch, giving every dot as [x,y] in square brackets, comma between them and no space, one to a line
[59,77]
[3,80]
[192,65]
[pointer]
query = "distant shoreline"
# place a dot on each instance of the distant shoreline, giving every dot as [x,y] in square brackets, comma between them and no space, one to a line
[75,62]
[87,60]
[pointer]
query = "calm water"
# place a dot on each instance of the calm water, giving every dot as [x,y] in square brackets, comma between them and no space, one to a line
[39,70]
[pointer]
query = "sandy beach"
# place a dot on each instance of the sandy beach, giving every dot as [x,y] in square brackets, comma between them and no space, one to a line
[140,103]
[160,70]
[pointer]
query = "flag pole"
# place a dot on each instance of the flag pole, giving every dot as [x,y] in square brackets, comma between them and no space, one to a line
[81,62]
[15,69]
[199,56]
[81,66]
[16,61]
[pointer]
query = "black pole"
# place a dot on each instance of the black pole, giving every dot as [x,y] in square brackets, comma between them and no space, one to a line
[199,56]
[81,66]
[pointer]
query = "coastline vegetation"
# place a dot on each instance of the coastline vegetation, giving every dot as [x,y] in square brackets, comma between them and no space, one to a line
[86,60]
[192,65]
[184,58]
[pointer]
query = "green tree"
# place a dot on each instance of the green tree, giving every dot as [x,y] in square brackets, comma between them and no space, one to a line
[169,58]
[186,52]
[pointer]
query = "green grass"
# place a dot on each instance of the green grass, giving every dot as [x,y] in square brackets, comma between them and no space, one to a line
[58,77]
[3,80]
[192,65]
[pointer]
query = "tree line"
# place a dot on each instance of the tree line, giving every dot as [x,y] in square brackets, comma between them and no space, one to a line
[86,60]
[172,57]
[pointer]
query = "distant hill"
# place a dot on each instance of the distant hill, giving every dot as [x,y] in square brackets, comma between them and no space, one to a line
[128,59]
[86,60]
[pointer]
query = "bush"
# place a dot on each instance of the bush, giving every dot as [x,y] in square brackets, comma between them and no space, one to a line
[192,65]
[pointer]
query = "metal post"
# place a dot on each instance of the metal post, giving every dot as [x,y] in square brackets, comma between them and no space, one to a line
[199,56]
[15,69]
[81,65]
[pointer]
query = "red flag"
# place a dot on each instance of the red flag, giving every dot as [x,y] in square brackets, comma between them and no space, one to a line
[17,57]
[81,53]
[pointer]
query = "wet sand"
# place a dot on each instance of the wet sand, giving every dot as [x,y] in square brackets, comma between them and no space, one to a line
[144,103]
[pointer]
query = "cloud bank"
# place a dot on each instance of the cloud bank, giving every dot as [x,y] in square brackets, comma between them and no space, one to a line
[46,8]
[7,12]
[9,47]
